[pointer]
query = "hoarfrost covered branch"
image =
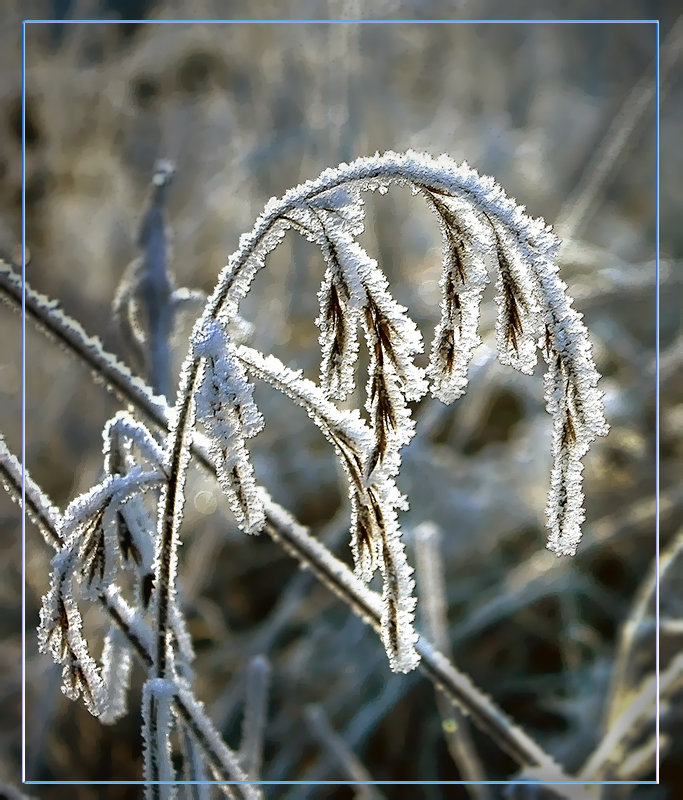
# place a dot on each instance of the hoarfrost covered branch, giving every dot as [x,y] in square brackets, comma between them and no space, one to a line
[483,231]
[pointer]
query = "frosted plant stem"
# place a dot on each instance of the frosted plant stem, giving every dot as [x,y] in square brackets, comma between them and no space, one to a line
[454,725]
[618,740]
[194,767]
[621,702]
[528,284]
[68,333]
[280,526]
[46,516]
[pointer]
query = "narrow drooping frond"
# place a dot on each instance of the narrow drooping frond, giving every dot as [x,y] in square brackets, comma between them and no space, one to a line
[463,280]
[117,662]
[375,533]
[88,526]
[60,634]
[338,322]
[226,409]
[519,324]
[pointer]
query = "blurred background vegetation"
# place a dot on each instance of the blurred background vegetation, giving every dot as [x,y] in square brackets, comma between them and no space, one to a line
[564,117]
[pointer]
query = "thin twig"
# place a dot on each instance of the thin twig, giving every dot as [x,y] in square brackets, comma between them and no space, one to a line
[255,712]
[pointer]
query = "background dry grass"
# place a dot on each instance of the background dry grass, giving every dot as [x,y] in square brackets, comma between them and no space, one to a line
[246,111]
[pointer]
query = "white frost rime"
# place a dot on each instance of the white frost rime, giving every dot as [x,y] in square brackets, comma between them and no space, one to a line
[226,409]
[484,233]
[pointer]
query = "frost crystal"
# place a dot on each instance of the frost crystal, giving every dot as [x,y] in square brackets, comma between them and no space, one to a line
[60,634]
[116,667]
[226,409]
[157,696]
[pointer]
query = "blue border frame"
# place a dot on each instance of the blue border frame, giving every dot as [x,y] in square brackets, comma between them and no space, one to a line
[26,22]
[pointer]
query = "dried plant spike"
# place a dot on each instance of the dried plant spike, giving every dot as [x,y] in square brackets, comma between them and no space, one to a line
[463,280]
[116,669]
[89,527]
[338,323]
[226,409]
[576,406]
[60,634]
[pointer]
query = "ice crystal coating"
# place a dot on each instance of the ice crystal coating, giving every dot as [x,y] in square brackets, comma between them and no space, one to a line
[157,696]
[60,634]
[116,667]
[483,231]
[226,409]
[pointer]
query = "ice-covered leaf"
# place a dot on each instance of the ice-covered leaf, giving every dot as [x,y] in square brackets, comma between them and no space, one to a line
[116,668]
[60,634]
[463,279]
[226,409]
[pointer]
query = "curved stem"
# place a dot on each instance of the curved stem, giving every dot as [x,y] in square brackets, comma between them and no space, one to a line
[419,171]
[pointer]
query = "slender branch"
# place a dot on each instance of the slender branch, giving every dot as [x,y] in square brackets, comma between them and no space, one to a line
[255,713]
[340,751]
